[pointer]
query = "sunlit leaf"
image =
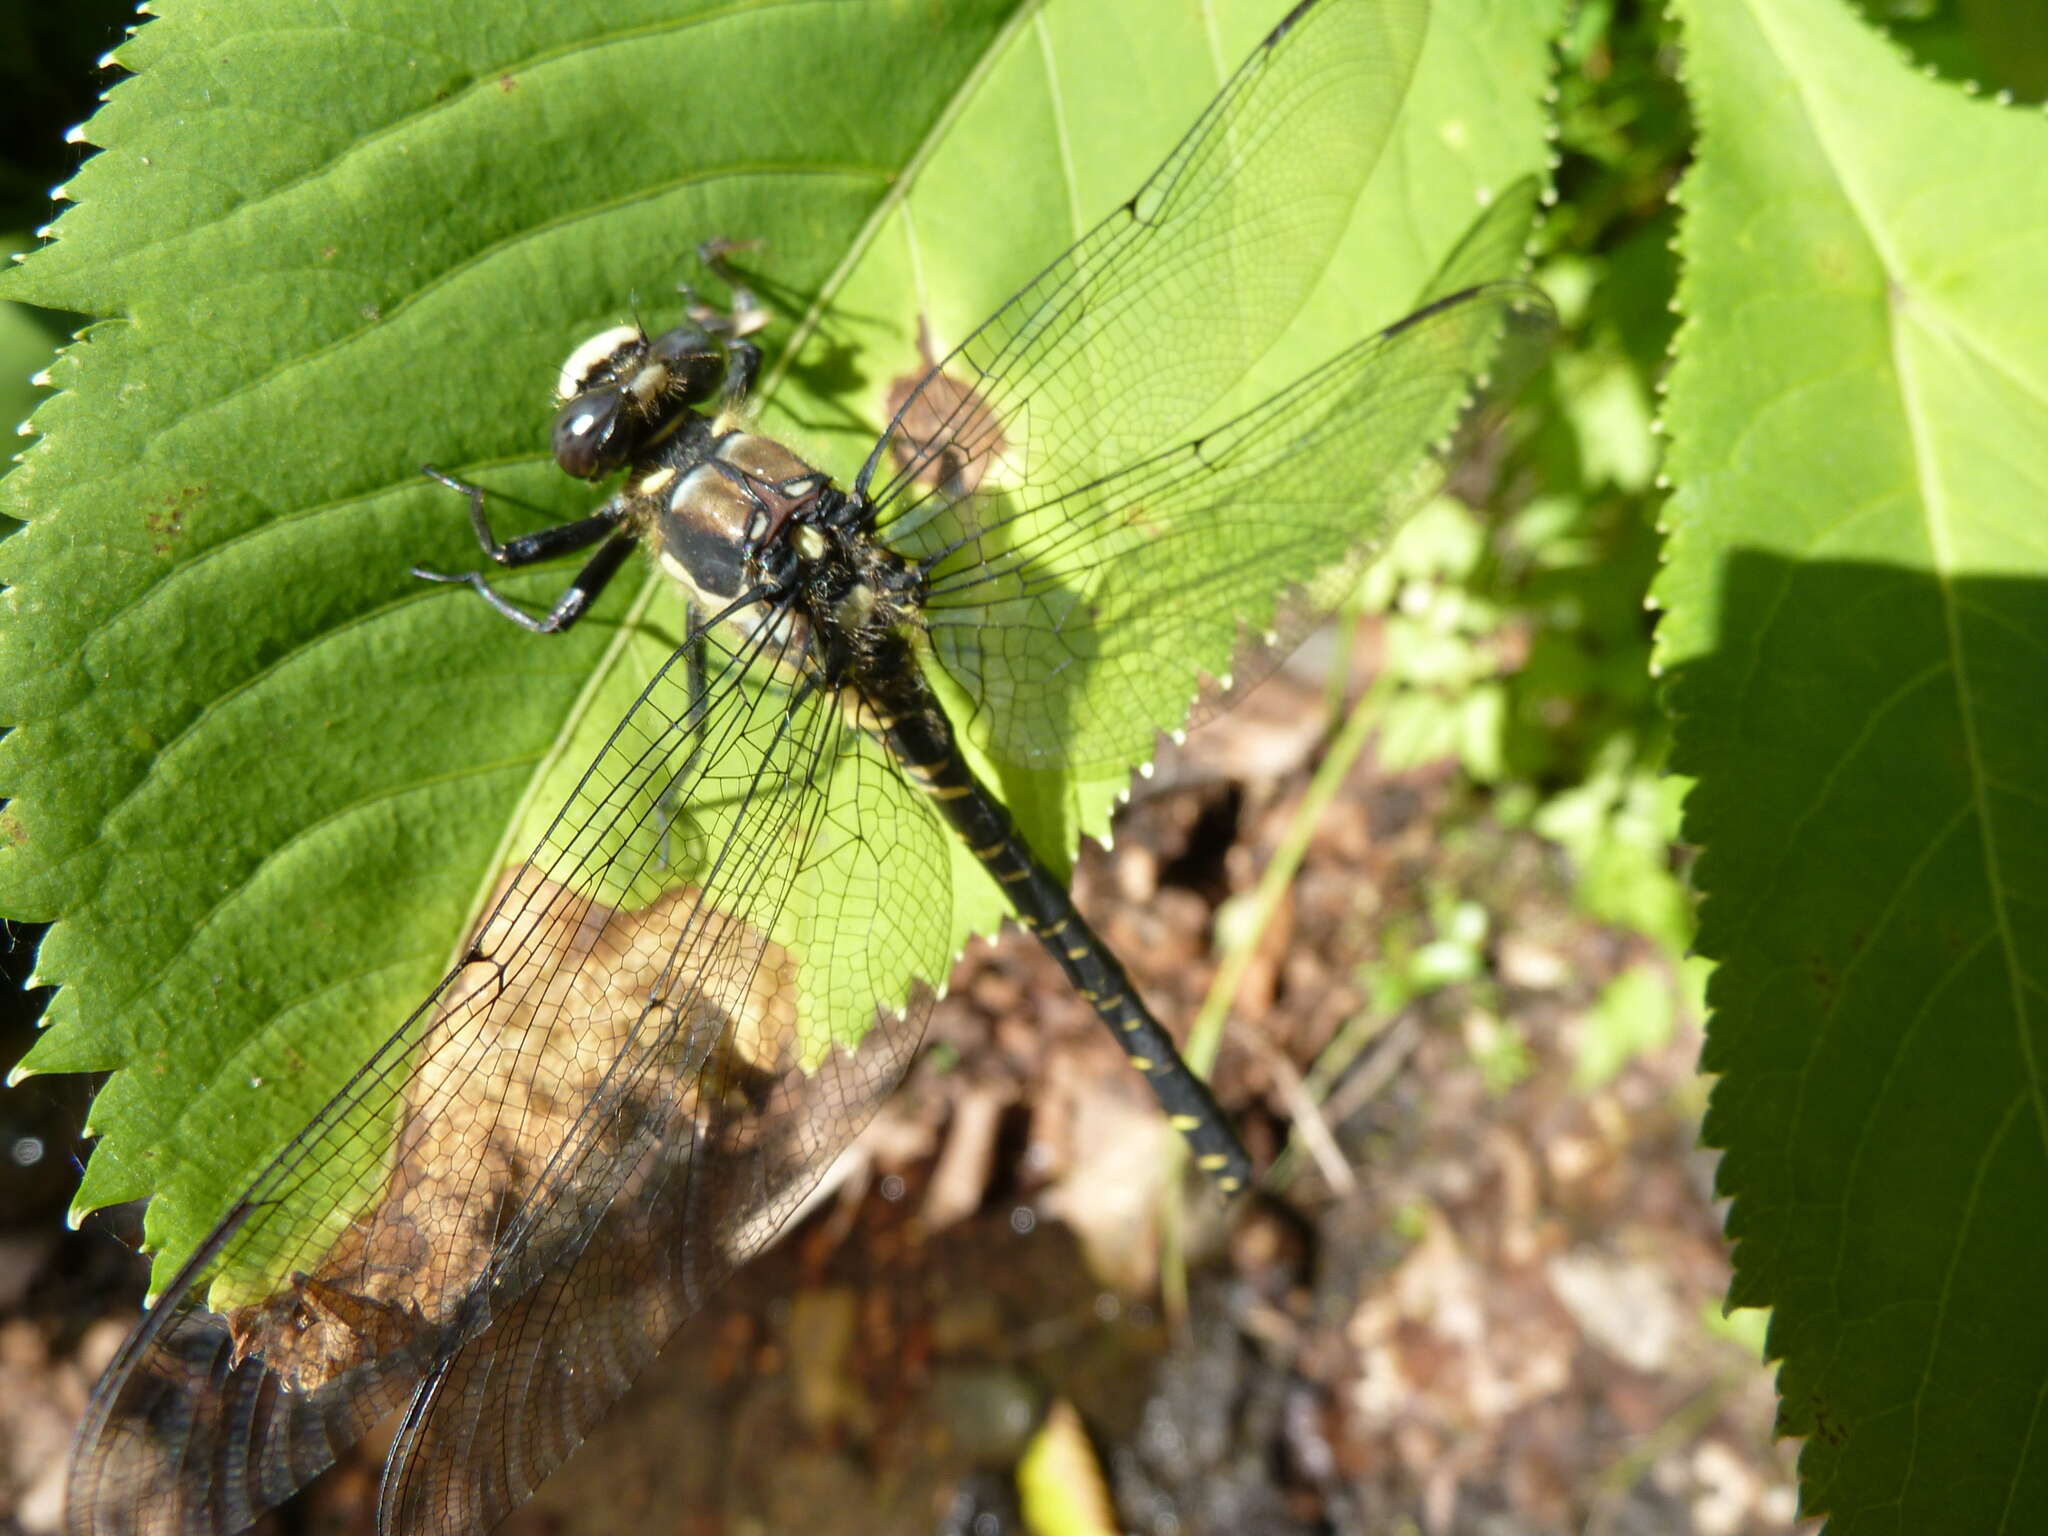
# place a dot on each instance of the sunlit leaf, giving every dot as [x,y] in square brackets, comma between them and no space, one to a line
[264,778]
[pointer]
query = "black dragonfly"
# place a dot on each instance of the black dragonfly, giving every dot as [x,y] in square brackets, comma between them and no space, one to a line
[719,959]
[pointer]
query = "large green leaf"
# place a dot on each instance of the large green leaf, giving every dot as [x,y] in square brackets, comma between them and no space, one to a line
[1858,623]
[264,778]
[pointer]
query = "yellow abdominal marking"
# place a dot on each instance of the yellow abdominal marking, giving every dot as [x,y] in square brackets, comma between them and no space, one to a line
[862,715]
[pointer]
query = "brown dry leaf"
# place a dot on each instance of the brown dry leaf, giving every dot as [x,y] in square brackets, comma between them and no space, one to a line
[517,1053]
[1114,1183]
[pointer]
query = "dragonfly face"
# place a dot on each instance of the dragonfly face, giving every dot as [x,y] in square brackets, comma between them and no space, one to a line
[620,391]
[718,958]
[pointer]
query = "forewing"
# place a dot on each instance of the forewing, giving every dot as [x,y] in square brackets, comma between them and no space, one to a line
[676,1014]
[1079,623]
[1157,313]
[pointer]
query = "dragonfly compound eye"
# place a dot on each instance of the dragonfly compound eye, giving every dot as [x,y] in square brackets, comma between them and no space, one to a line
[694,359]
[593,435]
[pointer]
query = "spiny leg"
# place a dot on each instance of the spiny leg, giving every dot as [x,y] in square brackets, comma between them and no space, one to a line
[745,315]
[532,548]
[529,548]
[667,806]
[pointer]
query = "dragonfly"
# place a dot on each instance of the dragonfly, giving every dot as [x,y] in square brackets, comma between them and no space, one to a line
[719,959]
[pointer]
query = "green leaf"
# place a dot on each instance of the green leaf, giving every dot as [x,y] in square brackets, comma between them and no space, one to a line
[1061,1489]
[1858,631]
[1632,1016]
[1998,44]
[263,777]
[26,347]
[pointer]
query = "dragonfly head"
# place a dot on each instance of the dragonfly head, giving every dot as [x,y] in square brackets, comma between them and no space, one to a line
[619,390]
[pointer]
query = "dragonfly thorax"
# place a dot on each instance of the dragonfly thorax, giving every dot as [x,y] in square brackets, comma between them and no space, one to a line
[727,511]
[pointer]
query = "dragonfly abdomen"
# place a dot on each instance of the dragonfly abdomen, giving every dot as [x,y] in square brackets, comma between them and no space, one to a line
[911,725]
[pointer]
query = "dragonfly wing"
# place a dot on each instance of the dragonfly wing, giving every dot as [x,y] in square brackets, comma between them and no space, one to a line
[503,1411]
[1219,250]
[687,1001]
[1081,623]
[182,1440]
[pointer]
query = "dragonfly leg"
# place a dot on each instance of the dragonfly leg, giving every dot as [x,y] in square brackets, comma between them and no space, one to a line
[747,314]
[744,315]
[532,548]
[529,548]
[667,807]
[743,367]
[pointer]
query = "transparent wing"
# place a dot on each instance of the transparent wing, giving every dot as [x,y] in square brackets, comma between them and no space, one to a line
[1095,542]
[1080,622]
[1152,317]
[676,1013]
